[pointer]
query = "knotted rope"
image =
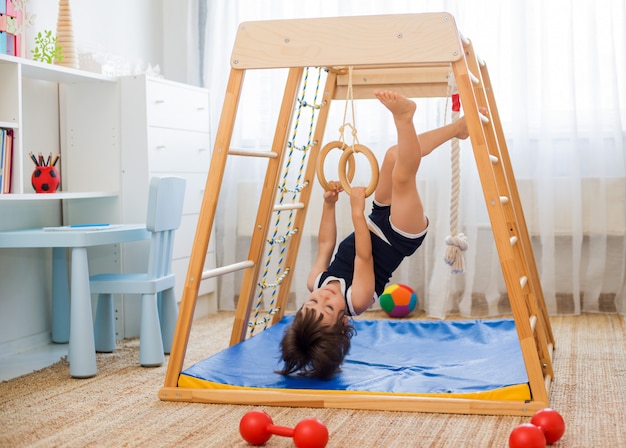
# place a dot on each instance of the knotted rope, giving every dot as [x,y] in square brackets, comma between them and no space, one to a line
[457,242]
[350,124]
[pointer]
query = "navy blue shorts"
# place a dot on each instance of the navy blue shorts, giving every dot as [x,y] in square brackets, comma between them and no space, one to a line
[404,244]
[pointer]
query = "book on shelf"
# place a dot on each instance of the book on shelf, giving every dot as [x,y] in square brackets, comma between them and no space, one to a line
[1,160]
[11,29]
[6,159]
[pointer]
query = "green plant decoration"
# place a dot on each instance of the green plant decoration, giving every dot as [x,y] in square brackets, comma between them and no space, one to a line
[46,49]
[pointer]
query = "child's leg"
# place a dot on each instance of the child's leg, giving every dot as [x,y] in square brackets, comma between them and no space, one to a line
[397,181]
[382,195]
[431,140]
[428,142]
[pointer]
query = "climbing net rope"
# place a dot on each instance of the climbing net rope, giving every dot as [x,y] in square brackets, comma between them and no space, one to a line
[290,186]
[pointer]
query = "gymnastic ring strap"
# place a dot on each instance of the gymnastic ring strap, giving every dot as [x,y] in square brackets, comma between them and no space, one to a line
[348,155]
[336,144]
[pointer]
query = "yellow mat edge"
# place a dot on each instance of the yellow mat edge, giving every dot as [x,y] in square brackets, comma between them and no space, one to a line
[515,392]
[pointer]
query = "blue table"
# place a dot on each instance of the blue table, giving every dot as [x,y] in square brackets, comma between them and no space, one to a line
[82,351]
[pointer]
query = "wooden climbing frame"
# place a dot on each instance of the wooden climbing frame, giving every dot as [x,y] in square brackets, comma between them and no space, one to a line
[413,55]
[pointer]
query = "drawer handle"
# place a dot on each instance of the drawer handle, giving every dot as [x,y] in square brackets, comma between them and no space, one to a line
[161,147]
[201,108]
[159,101]
[202,149]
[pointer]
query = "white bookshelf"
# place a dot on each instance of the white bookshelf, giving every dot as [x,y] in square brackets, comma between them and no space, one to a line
[53,196]
[76,113]
[54,73]
[39,105]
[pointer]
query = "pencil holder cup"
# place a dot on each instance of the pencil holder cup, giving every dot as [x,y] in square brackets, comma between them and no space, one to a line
[45,179]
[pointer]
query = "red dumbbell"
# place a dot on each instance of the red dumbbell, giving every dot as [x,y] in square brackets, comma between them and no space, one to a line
[551,423]
[545,427]
[527,435]
[256,428]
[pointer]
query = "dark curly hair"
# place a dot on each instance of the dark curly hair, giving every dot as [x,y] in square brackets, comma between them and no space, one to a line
[312,349]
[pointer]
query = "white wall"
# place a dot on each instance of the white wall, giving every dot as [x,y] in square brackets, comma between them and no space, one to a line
[175,48]
[139,32]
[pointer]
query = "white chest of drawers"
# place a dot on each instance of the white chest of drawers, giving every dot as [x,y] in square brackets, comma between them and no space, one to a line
[165,131]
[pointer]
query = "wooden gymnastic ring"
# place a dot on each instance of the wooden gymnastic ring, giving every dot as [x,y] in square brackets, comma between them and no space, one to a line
[347,153]
[336,144]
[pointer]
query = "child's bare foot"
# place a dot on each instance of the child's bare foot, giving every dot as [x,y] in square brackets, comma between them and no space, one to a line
[402,108]
[462,132]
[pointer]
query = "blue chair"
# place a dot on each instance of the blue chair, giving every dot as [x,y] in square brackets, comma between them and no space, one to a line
[159,310]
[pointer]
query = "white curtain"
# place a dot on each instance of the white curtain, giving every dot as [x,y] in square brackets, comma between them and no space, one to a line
[558,70]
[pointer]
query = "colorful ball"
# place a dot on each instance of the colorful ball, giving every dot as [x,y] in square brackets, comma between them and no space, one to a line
[398,300]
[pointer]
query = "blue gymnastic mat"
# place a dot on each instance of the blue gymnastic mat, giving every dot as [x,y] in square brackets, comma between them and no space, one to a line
[397,356]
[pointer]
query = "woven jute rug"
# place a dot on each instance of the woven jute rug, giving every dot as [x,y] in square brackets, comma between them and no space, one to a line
[120,407]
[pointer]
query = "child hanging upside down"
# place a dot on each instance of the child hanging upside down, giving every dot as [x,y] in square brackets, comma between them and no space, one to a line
[317,341]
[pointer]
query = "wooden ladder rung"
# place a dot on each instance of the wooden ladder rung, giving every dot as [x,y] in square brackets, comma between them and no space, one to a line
[227,269]
[466,43]
[522,282]
[252,153]
[547,381]
[282,207]
[550,350]
[549,347]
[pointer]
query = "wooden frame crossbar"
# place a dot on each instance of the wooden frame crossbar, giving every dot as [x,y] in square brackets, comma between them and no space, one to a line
[414,55]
